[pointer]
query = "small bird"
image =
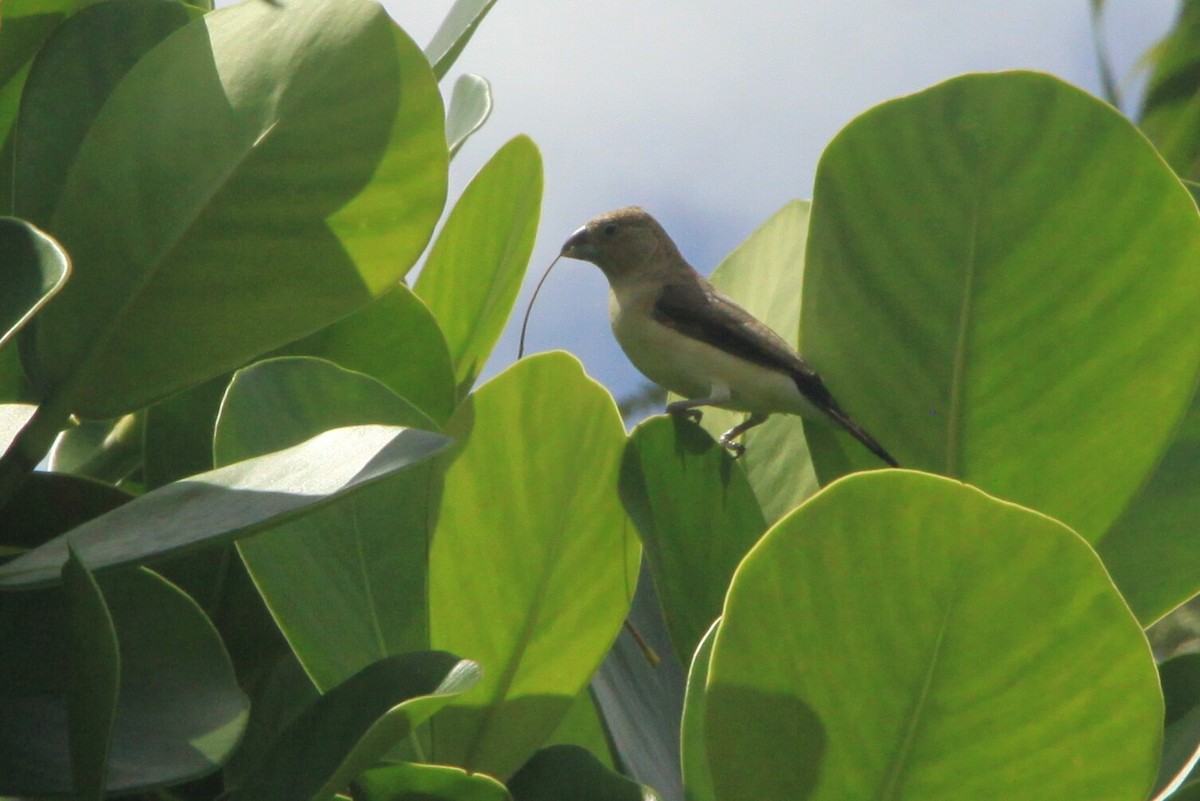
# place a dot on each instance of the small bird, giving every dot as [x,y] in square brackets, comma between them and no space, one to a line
[685,336]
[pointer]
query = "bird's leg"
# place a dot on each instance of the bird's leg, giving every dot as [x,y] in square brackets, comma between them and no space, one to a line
[687,408]
[727,439]
[717,395]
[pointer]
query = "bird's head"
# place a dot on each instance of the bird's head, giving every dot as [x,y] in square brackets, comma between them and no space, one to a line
[623,243]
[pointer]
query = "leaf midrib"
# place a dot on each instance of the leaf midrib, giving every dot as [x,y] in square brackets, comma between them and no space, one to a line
[954,427]
[894,781]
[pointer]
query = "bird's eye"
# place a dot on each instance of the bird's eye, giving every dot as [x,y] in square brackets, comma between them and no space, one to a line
[610,229]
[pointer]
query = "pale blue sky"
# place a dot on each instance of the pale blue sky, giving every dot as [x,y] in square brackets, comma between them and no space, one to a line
[713,114]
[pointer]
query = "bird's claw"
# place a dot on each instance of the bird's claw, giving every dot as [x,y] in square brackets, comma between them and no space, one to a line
[695,415]
[735,448]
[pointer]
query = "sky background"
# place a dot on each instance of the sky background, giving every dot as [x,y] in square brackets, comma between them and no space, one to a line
[712,115]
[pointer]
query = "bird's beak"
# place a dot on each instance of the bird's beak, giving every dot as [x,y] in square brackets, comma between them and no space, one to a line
[579,245]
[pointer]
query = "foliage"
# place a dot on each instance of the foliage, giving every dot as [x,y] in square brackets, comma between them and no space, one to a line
[264,537]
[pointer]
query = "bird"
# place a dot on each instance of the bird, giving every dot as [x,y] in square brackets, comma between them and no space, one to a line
[687,337]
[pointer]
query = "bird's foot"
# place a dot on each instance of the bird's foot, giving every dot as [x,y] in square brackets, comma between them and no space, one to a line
[688,412]
[735,448]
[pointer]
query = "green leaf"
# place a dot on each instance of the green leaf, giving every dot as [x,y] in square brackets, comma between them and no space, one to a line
[1108,81]
[230,502]
[313,173]
[862,656]
[1189,792]
[533,561]
[986,313]
[108,451]
[1180,679]
[697,779]
[396,340]
[50,503]
[697,517]
[470,106]
[14,387]
[33,269]
[1180,752]
[1171,104]
[455,31]
[354,724]
[27,24]
[179,712]
[763,275]
[95,677]
[642,701]
[347,584]
[178,433]
[276,701]
[13,417]
[474,270]
[1151,548]
[568,771]
[583,725]
[73,74]
[414,782]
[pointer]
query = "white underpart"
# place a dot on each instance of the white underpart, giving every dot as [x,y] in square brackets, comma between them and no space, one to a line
[695,369]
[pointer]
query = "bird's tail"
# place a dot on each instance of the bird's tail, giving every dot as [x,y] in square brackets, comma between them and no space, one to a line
[834,411]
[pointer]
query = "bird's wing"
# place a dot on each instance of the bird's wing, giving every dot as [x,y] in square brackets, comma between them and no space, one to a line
[699,311]
[702,313]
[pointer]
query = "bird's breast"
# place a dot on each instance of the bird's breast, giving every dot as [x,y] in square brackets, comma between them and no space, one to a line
[692,368]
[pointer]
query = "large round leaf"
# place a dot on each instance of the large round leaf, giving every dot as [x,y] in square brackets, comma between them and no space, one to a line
[179,714]
[396,340]
[902,635]
[533,560]
[347,584]
[259,174]
[73,74]
[1001,285]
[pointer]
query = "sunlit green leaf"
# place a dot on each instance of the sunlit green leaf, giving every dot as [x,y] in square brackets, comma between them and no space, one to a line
[313,173]
[396,340]
[533,560]
[347,584]
[474,270]
[1003,305]
[904,635]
